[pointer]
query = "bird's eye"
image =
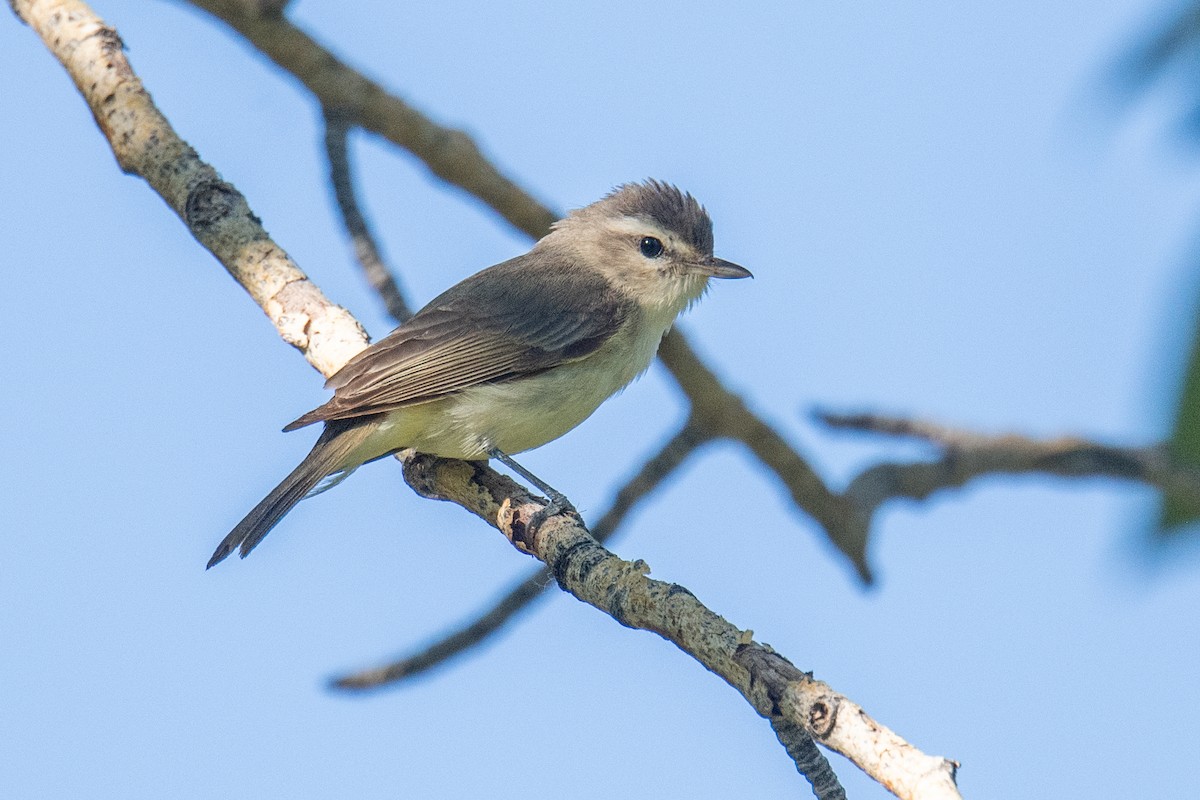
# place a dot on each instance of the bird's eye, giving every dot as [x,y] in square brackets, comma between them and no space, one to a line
[650,247]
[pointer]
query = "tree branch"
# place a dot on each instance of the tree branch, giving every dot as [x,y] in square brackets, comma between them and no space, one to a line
[810,761]
[214,211]
[648,478]
[723,413]
[843,726]
[366,250]
[218,215]
[449,154]
[790,699]
[967,455]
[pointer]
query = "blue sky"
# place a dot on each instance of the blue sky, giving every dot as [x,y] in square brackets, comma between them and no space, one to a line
[945,219]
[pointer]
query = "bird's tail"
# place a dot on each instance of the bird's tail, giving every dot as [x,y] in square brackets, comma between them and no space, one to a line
[328,456]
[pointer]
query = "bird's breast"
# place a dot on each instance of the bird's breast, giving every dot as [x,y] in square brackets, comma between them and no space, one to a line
[528,412]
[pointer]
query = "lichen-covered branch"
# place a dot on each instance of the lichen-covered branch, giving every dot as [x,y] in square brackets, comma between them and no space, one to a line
[841,725]
[521,596]
[213,210]
[792,700]
[92,54]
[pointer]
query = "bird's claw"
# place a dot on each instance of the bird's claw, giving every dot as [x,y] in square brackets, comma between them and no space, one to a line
[558,504]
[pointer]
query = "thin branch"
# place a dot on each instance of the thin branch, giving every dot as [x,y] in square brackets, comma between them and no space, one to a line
[810,761]
[93,56]
[366,251]
[967,455]
[519,598]
[449,154]
[724,413]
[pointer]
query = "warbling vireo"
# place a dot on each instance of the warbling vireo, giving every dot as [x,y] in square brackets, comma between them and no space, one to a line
[516,355]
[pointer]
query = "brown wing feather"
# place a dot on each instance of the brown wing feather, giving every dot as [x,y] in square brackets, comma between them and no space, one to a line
[519,317]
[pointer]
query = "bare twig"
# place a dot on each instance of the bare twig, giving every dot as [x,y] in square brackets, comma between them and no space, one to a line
[725,414]
[366,250]
[92,54]
[967,455]
[449,154]
[519,598]
[810,761]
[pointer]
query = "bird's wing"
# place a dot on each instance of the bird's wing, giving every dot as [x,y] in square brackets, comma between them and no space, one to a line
[516,318]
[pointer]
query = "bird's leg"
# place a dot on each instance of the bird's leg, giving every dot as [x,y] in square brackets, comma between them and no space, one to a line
[558,501]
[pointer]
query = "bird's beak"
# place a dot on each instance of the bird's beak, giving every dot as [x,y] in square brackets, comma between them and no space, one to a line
[720,268]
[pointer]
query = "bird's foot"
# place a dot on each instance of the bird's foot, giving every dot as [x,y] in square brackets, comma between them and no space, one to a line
[558,504]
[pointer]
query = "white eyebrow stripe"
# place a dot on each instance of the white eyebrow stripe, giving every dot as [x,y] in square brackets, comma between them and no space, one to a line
[639,226]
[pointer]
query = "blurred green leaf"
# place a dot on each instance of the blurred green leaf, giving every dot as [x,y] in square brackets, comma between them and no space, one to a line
[1172,53]
[1184,444]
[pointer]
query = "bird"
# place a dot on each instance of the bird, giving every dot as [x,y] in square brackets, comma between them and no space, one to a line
[516,355]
